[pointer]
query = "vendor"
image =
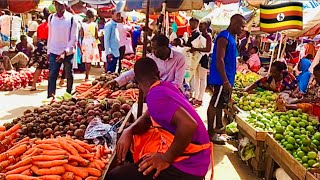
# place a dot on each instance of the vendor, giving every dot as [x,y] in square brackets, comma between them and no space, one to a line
[171,64]
[304,76]
[168,115]
[310,103]
[254,60]
[279,79]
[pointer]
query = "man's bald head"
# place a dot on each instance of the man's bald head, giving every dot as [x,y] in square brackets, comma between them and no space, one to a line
[237,23]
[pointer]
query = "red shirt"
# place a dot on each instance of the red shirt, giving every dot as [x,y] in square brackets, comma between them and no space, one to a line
[42,31]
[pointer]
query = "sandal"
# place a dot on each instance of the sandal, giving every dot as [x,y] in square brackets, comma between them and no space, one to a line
[33,89]
[218,139]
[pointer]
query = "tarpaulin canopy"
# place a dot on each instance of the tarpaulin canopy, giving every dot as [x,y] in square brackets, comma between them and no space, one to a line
[19,6]
[156,5]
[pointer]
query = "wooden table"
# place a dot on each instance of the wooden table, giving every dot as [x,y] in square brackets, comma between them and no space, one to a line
[275,153]
[258,139]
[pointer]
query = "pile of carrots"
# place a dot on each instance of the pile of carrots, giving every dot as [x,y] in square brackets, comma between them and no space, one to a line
[130,94]
[59,158]
[8,137]
[96,92]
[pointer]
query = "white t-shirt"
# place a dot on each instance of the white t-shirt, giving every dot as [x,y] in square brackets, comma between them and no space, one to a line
[122,29]
[33,26]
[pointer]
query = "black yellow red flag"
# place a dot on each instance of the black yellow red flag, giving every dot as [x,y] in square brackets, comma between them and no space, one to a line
[280,17]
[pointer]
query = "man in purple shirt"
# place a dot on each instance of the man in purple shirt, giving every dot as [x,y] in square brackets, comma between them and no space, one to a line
[24,52]
[171,64]
[168,108]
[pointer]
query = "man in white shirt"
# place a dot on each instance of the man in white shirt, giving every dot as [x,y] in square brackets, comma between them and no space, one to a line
[32,26]
[61,46]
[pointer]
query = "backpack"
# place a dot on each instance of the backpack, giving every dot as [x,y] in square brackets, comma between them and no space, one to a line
[50,19]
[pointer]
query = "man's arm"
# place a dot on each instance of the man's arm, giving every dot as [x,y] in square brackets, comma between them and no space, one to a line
[107,32]
[183,135]
[180,72]
[73,38]
[49,33]
[208,46]
[221,50]
[125,77]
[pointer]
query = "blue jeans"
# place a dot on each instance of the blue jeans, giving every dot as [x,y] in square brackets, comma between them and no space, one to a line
[112,63]
[54,68]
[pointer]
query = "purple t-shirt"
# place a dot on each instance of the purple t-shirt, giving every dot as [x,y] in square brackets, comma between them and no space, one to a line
[163,101]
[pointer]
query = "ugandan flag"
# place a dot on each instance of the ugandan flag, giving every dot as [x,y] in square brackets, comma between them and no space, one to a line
[279,17]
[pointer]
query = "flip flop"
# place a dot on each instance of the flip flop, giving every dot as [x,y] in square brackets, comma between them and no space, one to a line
[33,89]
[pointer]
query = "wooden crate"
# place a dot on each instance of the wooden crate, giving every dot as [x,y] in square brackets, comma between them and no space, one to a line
[251,131]
[284,159]
[257,138]
[310,176]
[113,160]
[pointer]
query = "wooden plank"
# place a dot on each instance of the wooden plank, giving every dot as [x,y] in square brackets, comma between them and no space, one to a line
[285,160]
[269,168]
[310,176]
[256,135]
[106,169]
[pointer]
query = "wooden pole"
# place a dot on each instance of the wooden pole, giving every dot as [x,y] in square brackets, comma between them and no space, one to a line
[272,54]
[279,50]
[144,53]
[284,47]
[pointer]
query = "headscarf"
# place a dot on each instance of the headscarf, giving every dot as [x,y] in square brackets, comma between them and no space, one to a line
[304,76]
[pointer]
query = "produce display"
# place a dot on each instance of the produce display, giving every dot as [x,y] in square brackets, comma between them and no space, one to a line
[258,100]
[98,89]
[60,158]
[68,117]
[128,62]
[297,133]
[244,80]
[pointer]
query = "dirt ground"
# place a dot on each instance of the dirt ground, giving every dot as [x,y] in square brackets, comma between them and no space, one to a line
[227,164]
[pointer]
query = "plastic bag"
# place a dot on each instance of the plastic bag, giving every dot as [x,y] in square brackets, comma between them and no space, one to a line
[232,128]
[102,133]
[246,149]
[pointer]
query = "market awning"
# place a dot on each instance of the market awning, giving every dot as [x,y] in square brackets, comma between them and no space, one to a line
[156,5]
[19,6]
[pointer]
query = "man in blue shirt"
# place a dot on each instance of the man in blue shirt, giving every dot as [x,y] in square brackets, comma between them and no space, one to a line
[222,75]
[111,42]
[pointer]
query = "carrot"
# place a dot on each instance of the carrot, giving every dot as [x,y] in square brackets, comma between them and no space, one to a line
[68,176]
[77,146]
[76,170]
[4,164]
[19,169]
[29,151]
[24,162]
[93,171]
[26,139]
[77,178]
[35,152]
[2,136]
[18,151]
[87,156]
[54,152]
[13,129]
[83,144]
[48,164]
[98,152]
[94,164]
[100,163]
[49,158]
[78,159]
[19,144]
[46,141]
[63,142]
[50,177]
[2,128]
[20,177]
[92,178]
[27,172]
[73,163]
[47,147]
[48,171]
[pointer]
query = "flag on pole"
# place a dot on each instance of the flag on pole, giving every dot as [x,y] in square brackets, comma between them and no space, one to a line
[282,16]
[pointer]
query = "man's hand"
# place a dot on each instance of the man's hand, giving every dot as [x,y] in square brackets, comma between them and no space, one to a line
[61,57]
[227,87]
[123,145]
[109,57]
[155,161]
[112,84]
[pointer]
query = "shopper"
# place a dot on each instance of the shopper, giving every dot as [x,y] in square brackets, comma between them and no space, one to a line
[62,41]
[171,113]
[171,64]
[111,42]
[90,51]
[194,23]
[102,53]
[40,57]
[200,78]
[123,28]
[222,75]
[253,62]
[32,26]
